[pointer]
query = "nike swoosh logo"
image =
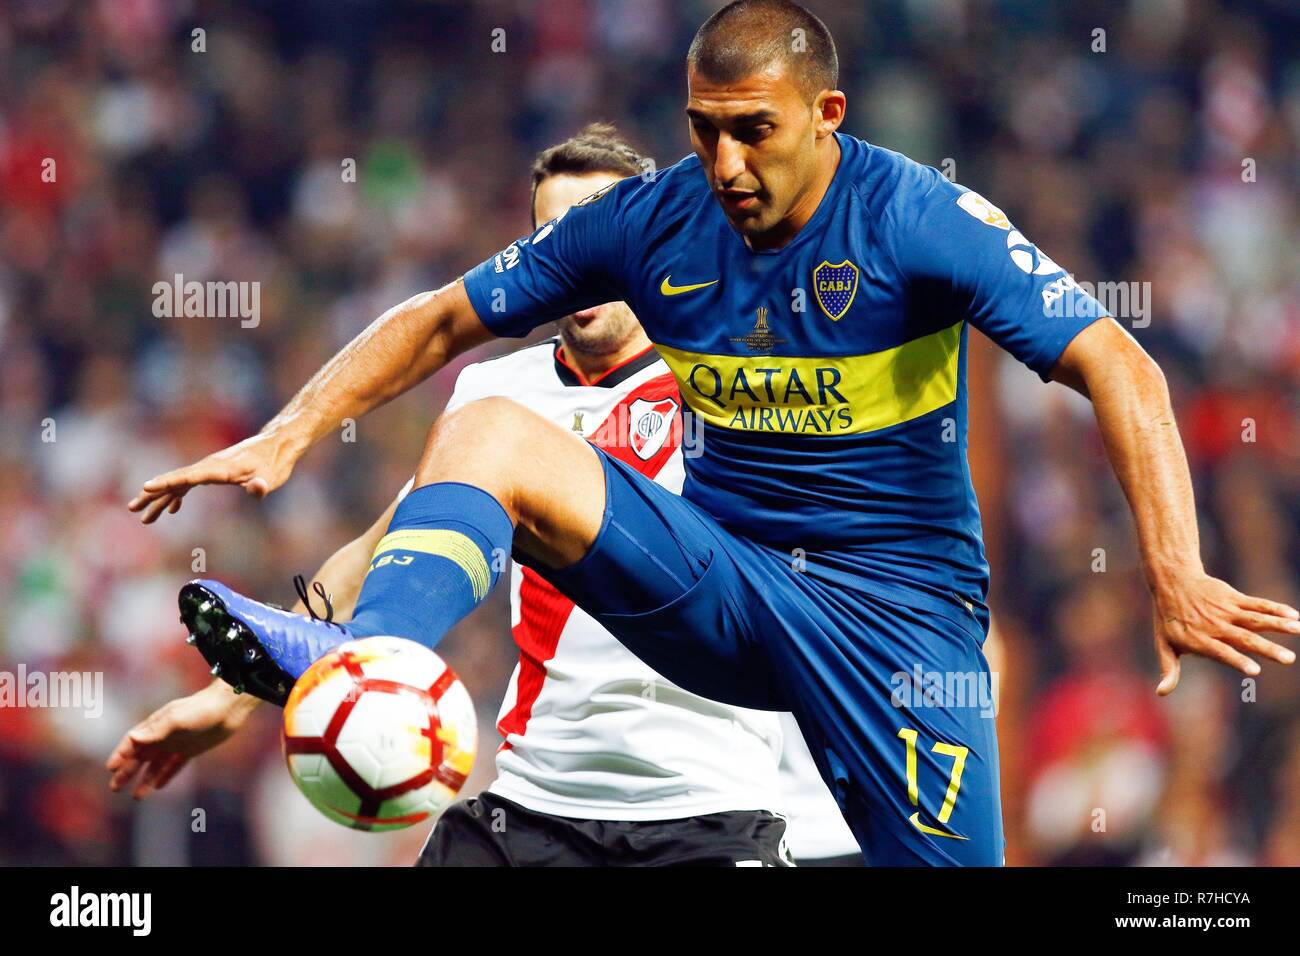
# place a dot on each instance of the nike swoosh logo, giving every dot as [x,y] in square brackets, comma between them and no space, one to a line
[667,287]
[915,820]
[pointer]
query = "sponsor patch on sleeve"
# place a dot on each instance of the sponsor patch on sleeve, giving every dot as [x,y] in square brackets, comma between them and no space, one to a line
[983,210]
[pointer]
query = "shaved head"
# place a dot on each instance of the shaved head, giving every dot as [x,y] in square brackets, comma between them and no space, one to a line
[763,109]
[749,36]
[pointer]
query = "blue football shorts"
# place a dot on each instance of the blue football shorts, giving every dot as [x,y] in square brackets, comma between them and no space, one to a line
[893,701]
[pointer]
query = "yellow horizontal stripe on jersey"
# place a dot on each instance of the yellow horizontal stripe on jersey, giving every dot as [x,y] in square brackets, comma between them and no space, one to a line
[840,395]
[452,545]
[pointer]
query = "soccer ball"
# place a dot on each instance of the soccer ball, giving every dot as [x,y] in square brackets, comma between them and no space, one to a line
[379,734]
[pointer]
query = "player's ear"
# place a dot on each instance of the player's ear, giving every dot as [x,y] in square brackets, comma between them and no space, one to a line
[828,112]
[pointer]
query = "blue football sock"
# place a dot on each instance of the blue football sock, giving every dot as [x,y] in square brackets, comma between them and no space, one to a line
[445,548]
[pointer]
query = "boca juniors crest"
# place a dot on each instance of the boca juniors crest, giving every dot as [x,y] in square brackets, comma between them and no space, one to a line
[835,286]
[649,423]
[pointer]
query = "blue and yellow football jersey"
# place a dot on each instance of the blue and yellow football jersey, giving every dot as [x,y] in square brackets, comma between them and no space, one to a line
[830,375]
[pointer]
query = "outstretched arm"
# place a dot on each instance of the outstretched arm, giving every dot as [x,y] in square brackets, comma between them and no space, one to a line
[153,751]
[397,351]
[1194,613]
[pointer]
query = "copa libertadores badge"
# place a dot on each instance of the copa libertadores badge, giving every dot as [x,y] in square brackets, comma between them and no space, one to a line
[835,286]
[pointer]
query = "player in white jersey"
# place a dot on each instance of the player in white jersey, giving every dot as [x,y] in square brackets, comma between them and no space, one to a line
[604,761]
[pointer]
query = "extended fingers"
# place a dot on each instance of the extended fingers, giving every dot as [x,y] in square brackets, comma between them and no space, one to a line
[163,494]
[153,503]
[124,774]
[143,498]
[1226,654]
[1215,620]
[1218,648]
[197,474]
[1264,606]
[1247,640]
[166,502]
[157,772]
[162,774]
[212,470]
[124,751]
[125,762]
[1264,622]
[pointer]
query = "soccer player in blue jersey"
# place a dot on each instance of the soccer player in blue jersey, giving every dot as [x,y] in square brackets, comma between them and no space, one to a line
[812,293]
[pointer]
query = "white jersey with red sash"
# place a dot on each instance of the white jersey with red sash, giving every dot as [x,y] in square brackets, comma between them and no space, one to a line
[590,731]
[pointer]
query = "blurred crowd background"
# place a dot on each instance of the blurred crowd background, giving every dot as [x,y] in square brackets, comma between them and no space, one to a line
[1162,151]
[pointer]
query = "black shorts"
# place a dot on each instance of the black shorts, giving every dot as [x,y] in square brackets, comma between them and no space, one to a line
[492,831]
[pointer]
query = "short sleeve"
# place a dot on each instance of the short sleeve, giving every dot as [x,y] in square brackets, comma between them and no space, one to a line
[955,246]
[570,263]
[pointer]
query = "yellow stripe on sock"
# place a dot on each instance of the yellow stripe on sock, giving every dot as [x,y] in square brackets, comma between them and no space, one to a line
[452,545]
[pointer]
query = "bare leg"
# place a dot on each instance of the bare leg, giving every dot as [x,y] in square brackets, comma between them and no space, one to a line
[549,480]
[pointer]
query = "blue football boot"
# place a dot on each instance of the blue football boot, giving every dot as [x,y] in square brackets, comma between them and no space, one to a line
[257,647]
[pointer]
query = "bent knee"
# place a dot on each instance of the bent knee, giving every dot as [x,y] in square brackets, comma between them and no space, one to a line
[495,427]
[487,432]
[508,450]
